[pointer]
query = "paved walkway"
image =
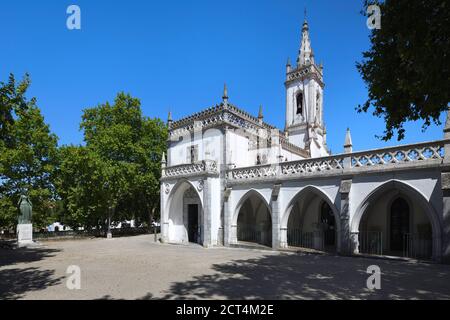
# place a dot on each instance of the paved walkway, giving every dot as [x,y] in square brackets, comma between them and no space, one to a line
[138,268]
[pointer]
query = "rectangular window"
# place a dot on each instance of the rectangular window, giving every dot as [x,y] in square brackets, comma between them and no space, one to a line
[192,154]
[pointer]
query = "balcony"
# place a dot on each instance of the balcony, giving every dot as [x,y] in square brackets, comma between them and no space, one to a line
[201,168]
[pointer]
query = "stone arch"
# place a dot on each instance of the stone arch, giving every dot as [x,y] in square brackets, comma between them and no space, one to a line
[246,196]
[181,184]
[177,218]
[310,189]
[266,234]
[409,192]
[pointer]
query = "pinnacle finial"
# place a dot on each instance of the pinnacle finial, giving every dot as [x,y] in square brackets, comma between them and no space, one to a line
[163,159]
[260,113]
[225,93]
[447,125]
[305,22]
[169,117]
[447,122]
[288,63]
[348,145]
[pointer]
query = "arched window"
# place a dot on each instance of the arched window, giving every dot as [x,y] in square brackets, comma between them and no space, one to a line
[399,223]
[299,101]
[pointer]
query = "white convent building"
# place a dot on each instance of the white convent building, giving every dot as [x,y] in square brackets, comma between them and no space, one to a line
[231,179]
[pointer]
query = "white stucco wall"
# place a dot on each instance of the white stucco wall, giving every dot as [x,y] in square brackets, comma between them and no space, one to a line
[210,140]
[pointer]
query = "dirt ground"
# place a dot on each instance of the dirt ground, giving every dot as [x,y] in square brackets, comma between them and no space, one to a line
[138,268]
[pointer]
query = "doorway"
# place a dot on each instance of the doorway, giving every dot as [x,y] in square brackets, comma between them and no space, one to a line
[399,224]
[193,235]
[328,225]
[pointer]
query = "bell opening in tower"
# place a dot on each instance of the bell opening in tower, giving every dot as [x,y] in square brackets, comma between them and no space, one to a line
[299,99]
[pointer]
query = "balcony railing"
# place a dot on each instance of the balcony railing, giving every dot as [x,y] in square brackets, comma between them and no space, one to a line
[198,168]
[420,152]
[394,157]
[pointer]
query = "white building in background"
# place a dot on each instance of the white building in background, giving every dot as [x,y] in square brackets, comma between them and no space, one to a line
[57,226]
[231,179]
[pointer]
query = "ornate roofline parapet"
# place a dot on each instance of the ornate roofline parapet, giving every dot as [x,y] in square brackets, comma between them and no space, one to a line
[220,108]
[232,116]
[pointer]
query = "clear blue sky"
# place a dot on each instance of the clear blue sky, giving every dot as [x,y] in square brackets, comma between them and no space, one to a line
[177,55]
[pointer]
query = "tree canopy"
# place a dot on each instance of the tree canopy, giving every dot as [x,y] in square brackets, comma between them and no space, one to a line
[28,155]
[406,69]
[118,169]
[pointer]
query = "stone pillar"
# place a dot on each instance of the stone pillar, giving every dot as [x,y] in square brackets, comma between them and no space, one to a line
[163,215]
[207,202]
[227,217]
[276,217]
[445,257]
[346,243]
[447,136]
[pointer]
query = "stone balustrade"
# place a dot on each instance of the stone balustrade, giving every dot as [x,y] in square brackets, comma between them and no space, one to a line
[379,159]
[261,171]
[419,152]
[413,154]
[191,169]
[312,165]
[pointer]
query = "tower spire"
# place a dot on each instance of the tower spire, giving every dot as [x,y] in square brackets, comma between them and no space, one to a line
[305,54]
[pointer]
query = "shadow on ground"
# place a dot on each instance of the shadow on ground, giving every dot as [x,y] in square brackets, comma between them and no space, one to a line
[303,276]
[26,254]
[15,282]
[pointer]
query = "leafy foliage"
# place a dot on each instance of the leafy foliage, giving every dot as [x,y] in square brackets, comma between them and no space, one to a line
[407,67]
[118,170]
[28,155]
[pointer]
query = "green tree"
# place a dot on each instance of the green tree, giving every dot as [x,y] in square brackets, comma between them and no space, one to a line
[28,155]
[406,69]
[12,98]
[118,170]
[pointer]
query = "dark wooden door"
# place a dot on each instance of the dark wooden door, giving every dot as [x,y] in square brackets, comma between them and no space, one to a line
[399,224]
[193,222]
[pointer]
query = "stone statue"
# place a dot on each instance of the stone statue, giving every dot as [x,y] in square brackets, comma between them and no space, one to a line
[25,208]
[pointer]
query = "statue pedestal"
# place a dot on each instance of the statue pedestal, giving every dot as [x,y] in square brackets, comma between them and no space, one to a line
[24,234]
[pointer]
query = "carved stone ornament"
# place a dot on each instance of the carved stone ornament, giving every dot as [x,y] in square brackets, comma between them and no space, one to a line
[200,185]
[167,188]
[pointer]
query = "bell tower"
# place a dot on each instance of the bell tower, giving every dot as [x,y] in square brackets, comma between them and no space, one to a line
[304,100]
